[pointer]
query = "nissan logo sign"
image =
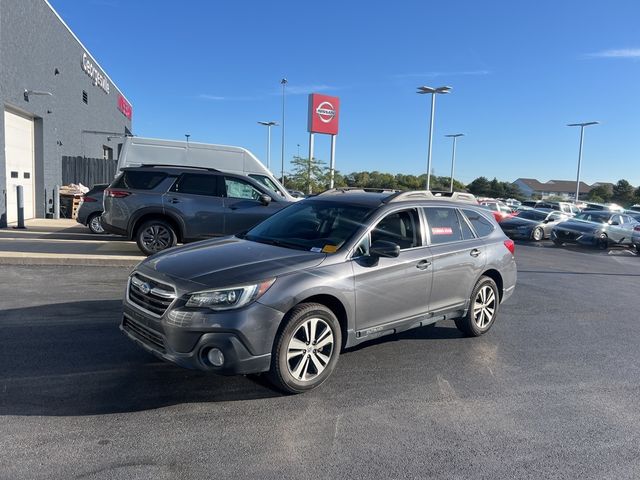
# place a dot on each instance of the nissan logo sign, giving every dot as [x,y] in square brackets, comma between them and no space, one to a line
[325,112]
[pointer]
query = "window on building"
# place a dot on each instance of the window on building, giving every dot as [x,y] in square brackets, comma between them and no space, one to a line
[85,96]
[107,152]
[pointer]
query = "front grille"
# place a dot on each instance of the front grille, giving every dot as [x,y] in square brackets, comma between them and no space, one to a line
[143,333]
[150,295]
[566,235]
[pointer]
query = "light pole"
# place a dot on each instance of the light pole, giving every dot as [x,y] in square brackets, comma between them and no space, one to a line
[581,125]
[283,82]
[269,125]
[453,155]
[433,91]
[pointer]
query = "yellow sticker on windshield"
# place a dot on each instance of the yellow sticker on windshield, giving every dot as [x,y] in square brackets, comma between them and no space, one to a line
[329,249]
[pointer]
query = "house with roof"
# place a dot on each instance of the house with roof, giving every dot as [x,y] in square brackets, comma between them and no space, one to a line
[565,189]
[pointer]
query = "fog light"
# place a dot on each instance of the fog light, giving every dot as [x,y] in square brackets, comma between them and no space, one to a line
[216,357]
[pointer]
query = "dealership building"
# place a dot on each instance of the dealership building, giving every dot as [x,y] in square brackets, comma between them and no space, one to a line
[61,112]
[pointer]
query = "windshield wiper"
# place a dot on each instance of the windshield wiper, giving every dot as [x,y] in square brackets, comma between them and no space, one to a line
[275,242]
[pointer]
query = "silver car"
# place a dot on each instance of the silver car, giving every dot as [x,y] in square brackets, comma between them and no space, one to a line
[324,274]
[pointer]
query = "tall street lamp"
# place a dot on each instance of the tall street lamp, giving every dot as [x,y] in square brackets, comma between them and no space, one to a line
[269,125]
[581,125]
[283,82]
[453,155]
[433,91]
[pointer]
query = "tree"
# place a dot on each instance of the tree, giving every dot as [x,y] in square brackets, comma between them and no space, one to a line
[600,193]
[623,192]
[480,187]
[307,176]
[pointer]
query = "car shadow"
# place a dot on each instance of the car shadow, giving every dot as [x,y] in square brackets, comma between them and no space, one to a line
[439,331]
[611,250]
[71,359]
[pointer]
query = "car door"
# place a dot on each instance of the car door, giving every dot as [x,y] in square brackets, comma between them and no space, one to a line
[242,206]
[195,197]
[551,221]
[390,289]
[459,256]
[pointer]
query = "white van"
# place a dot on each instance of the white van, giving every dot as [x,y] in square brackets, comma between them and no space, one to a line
[138,151]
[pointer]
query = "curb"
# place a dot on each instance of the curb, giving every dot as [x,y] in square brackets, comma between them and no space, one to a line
[22,258]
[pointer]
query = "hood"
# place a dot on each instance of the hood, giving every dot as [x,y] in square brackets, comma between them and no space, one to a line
[230,261]
[581,226]
[514,222]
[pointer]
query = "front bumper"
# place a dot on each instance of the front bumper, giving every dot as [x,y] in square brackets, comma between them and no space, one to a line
[517,234]
[184,337]
[577,238]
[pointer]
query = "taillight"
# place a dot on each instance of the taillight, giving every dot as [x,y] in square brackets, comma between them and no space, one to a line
[109,192]
[511,246]
[88,199]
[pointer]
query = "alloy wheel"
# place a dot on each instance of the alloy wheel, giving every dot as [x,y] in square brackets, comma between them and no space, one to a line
[95,225]
[156,238]
[484,307]
[310,349]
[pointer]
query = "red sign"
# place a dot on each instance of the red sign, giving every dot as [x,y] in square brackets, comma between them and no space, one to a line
[125,107]
[323,114]
[441,231]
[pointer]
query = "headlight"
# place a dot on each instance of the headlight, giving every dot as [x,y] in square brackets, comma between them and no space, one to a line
[229,298]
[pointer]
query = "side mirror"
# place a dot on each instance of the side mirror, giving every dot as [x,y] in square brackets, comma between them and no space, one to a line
[265,199]
[382,248]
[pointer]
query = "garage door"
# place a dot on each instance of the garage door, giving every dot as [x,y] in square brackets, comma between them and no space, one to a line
[19,155]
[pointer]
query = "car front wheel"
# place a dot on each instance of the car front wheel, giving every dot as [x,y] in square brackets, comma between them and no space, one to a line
[306,349]
[154,236]
[483,308]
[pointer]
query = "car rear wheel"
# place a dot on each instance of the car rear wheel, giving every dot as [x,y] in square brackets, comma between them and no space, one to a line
[307,349]
[94,223]
[154,236]
[483,308]
[537,234]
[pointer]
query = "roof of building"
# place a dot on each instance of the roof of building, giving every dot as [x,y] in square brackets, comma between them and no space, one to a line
[559,186]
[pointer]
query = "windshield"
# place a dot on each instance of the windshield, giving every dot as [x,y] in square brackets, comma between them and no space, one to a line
[532,215]
[267,182]
[315,226]
[593,217]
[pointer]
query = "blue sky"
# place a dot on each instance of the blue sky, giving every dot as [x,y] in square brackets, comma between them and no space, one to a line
[520,71]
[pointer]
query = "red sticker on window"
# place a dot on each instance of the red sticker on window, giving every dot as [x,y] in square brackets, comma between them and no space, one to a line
[441,231]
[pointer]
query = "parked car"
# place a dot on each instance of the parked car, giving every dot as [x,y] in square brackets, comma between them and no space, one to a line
[635,208]
[159,206]
[609,207]
[599,228]
[565,207]
[327,273]
[532,224]
[296,193]
[90,209]
[499,210]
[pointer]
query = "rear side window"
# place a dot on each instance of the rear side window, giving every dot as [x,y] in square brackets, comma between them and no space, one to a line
[481,225]
[197,184]
[138,180]
[444,226]
[467,233]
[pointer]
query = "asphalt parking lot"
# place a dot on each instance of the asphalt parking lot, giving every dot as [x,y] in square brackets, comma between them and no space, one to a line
[550,392]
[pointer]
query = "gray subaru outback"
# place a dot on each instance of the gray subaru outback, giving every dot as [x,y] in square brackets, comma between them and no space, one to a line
[322,275]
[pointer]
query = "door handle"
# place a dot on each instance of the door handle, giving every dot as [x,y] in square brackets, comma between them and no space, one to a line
[174,200]
[423,264]
[475,252]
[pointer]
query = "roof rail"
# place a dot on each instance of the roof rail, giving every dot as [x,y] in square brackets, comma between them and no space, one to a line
[358,189]
[172,166]
[429,195]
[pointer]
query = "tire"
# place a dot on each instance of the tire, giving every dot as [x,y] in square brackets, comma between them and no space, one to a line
[537,234]
[94,223]
[638,248]
[154,236]
[483,309]
[296,365]
[602,242]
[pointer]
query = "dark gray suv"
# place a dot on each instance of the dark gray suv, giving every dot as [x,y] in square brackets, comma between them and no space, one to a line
[326,273]
[158,206]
